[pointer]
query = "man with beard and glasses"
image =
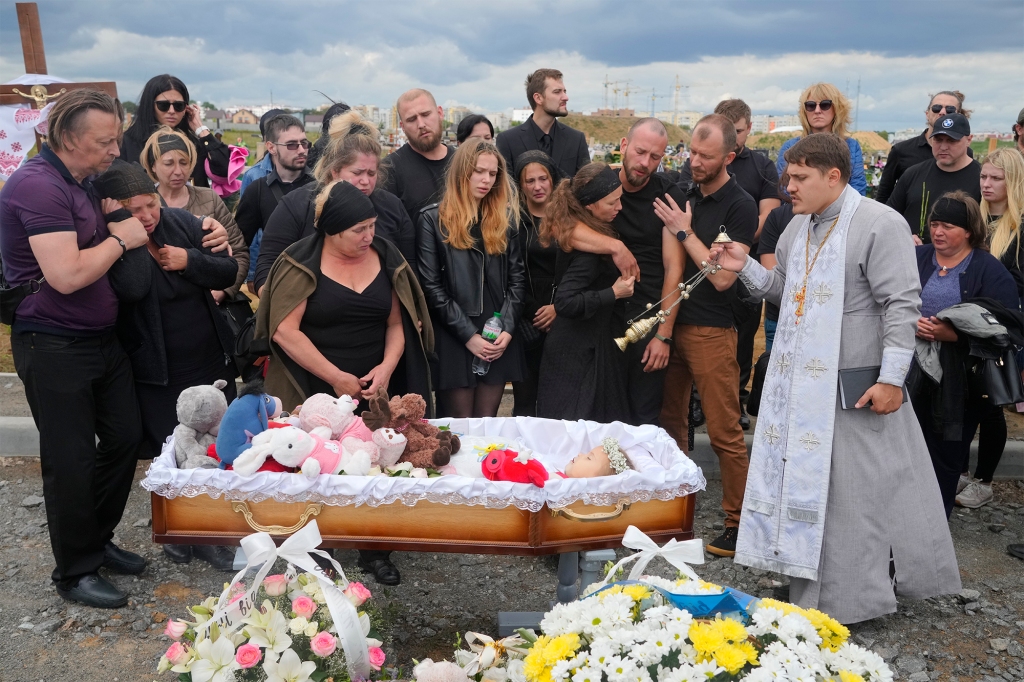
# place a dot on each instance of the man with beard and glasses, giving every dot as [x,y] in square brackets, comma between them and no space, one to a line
[288,149]
[548,98]
[649,252]
[415,172]
[705,333]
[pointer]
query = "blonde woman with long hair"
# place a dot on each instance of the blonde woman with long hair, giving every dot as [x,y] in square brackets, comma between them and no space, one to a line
[471,267]
[1002,206]
[824,109]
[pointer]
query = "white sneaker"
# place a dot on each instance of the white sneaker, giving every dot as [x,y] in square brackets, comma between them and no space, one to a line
[964,482]
[975,495]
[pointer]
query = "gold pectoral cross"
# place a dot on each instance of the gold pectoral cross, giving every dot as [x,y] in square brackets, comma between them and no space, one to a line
[799,298]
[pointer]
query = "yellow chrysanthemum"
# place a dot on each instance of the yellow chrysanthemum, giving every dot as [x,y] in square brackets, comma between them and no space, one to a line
[706,639]
[561,648]
[637,592]
[614,589]
[731,657]
[732,631]
[750,651]
[847,676]
[534,667]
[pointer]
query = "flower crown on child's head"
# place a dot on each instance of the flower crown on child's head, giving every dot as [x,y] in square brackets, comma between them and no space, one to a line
[615,456]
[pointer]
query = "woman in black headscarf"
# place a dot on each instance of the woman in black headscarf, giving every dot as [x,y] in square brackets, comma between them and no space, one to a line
[536,174]
[582,373]
[164,102]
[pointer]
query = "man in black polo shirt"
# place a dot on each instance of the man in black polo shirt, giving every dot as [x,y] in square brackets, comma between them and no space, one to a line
[704,338]
[288,149]
[756,174]
[567,147]
[952,169]
[911,152]
[415,172]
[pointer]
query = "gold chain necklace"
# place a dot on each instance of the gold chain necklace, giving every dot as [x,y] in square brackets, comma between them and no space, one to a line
[801,296]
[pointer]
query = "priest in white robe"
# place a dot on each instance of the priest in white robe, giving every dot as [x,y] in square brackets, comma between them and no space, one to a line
[845,502]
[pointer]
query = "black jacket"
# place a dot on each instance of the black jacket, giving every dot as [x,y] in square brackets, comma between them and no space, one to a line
[569,146]
[138,324]
[453,279]
[984,276]
[292,220]
[208,147]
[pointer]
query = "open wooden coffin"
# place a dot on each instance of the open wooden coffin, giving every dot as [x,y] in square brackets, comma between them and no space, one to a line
[450,513]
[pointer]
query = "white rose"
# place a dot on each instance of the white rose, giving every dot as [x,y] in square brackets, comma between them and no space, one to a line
[515,671]
[311,629]
[297,625]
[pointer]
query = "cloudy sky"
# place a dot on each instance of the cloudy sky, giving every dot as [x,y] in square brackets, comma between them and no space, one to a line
[478,53]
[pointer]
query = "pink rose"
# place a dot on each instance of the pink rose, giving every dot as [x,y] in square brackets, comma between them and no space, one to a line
[248,655]
[376,657]
[303,606]
[418,473]
[323,644]
[177,654]
[175,628]
[275,585]
[357,593]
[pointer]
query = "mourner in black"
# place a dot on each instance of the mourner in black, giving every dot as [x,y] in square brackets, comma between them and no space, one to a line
[288,147]
[567,147]
[911,152]
[774,226]
[415,172]
[951,170]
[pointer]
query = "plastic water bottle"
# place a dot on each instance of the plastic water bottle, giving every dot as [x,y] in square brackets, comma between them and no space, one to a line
[492,328]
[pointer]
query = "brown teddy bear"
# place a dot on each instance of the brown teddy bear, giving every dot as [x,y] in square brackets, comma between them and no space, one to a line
[428,446]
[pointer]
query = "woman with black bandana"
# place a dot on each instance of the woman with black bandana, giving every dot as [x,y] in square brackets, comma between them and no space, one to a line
[345,315]
[165,101]
[168,323]
[583,373]
[537,176]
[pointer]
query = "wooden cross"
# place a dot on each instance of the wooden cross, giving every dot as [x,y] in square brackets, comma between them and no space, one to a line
[35,62]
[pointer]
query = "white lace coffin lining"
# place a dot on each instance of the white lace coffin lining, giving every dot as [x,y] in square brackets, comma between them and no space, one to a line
[661,471]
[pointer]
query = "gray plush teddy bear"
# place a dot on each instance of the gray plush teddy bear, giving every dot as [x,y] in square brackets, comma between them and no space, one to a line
[200,409]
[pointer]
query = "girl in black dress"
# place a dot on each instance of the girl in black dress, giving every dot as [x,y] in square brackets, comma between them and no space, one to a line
[470,268]
[583,373]
[537,175]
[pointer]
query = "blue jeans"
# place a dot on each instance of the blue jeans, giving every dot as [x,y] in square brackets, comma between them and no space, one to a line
[769,333]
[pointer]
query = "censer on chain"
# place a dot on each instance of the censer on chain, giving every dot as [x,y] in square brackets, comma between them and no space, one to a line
[638,329]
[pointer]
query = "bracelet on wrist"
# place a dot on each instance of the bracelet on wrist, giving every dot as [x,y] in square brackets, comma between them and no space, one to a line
[664,339]
[124,247]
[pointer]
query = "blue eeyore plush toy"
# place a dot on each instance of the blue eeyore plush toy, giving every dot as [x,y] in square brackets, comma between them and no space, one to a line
[247,415]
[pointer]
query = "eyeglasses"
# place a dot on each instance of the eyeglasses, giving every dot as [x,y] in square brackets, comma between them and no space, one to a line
[293,145]
[165,105]
[825,105]
[937,109]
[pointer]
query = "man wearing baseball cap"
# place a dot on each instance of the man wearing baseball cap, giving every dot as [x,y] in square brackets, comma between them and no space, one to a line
[1018,132]
[951,169]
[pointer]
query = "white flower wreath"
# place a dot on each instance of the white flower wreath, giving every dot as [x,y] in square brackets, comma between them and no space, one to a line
[615,455]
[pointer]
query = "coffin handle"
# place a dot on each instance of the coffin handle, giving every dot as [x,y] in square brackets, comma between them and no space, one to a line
[621,506]
[312,509]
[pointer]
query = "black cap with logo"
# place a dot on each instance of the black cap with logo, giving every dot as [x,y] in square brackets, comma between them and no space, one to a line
[953,125]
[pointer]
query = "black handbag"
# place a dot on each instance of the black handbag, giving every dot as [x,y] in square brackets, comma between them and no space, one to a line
[241,320]
[760,372]
[996,380]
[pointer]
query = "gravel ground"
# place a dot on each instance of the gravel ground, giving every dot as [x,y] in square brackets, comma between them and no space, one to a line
[974,636]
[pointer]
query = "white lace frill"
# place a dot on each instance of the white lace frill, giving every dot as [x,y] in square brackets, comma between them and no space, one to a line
[660,471]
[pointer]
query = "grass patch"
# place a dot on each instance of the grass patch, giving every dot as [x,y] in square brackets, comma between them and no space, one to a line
[6,359]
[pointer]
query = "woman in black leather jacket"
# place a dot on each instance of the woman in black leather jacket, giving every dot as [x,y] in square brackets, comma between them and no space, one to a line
[471,267]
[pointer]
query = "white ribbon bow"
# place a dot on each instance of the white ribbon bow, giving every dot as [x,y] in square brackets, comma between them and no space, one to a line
[489,652]
[260,550]
[679,554]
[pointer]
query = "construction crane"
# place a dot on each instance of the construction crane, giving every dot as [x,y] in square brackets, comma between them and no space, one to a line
[679,86]
[626,92]
[606,84]
[654,97]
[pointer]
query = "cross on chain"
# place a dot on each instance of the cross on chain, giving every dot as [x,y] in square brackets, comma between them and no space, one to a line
[815,368]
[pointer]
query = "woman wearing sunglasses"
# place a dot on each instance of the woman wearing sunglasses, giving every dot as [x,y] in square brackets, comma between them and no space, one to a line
[907,153]
[824,109]
[164,102]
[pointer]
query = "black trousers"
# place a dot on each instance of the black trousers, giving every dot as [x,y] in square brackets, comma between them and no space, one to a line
[747,317]
[80,389]
[644,389]
[525,392]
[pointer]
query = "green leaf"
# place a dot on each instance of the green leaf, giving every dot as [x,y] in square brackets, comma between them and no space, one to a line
[443,428]
[319,676]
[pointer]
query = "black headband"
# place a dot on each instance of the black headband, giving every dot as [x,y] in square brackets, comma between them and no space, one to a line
[345,207]
[950,211]
[606,182]
[123,180]
[536,156]
[168,143]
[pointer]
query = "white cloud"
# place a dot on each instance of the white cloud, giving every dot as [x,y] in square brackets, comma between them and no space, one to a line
[894,90]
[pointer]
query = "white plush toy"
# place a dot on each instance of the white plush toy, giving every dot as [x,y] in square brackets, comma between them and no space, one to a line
[327,411]
[391,444]
[314,453]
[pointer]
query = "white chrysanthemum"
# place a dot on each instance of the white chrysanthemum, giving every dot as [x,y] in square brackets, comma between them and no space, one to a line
[587,673]
[601,651]
[646,653]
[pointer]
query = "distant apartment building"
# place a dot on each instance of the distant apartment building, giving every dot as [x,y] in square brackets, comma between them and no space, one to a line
[499,120]
[520,115]
[904,134]
[455,114]
[380,116]
[766,123]
[245,117]
[683,118]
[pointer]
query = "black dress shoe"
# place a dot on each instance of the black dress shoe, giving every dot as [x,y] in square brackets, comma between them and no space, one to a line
[179,554]
[744,421]
[384,572]
[121,560]
[1016,550]
[93,590]
[220,557]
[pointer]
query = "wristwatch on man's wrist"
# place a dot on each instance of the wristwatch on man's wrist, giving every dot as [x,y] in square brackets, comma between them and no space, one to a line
[201,129]
[681,235]
[663,339]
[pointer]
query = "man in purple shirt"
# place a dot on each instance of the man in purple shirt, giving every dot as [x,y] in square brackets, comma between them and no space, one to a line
[77,377]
